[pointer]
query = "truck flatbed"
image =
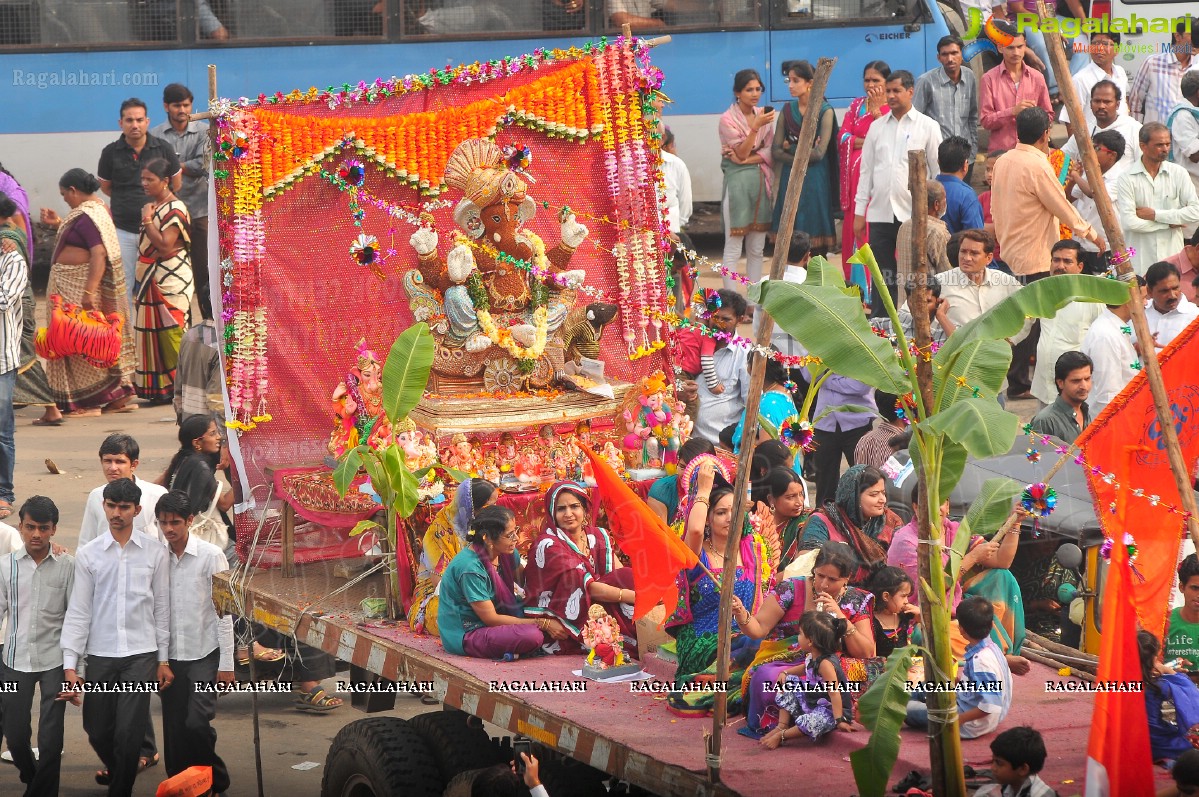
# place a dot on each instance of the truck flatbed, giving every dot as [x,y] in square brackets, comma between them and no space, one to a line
[629,735]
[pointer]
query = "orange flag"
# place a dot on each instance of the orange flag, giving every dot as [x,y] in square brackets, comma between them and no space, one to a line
[1118,756]
[1153,499]
[655,553]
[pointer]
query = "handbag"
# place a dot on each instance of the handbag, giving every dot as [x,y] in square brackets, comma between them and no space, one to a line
[75,332]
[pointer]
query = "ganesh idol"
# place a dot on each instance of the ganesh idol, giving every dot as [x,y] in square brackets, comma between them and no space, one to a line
[358,406]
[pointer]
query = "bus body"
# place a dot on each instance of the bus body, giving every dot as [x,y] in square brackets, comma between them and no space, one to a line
[68,64]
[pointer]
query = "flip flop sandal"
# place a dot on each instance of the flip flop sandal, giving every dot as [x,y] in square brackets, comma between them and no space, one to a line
[103,777]
[144,763]
[316,701]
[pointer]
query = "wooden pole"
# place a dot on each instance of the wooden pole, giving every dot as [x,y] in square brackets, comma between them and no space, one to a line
[749,435]
[1124,271]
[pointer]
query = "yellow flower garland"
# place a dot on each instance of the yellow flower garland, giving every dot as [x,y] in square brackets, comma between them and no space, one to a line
[502,337]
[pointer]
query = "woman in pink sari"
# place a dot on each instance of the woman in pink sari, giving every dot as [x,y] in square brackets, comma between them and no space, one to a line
[861,114]
[746,136]
[572,564]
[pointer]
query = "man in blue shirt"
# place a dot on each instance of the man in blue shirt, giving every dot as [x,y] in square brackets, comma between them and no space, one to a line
[963,211]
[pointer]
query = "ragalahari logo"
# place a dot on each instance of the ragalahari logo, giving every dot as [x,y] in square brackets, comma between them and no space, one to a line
[975,27]
[981,34]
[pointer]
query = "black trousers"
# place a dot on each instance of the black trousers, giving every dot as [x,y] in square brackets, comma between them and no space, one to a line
[188,738]
[1019,375]
[883,237]
[830,447]
[199,255]
[116,723]
[40,776]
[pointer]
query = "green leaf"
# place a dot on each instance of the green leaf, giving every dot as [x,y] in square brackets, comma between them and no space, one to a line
[832,326]
[406,497]
[986,514]
[883,709]
[844,408]
[822,273]
[378,474]
[982,364]
[347,468]
[363,526]
[406,372]
[1040,299]
[980,425]
[953,465]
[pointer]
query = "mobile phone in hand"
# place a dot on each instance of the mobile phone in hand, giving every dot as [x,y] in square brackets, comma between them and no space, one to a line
[768,109]
[521,745]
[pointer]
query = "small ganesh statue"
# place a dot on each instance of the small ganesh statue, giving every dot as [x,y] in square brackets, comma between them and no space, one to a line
[462,455]
[652,432]
[605,645]
[419,451]
[358,406]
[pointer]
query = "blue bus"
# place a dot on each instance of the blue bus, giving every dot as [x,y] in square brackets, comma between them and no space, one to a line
[68,64]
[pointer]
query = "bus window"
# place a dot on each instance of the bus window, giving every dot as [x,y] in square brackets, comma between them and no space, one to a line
[797,13]
[650,16]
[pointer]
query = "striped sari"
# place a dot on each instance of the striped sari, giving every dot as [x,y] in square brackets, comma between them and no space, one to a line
[75,384]
[162,298]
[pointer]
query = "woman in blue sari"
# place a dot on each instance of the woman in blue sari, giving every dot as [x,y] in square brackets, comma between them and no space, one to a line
[815,213]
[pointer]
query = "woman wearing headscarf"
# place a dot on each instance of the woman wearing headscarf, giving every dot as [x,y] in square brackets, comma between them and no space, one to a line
[857,515]
[443,540]
[695,624]
[572,565]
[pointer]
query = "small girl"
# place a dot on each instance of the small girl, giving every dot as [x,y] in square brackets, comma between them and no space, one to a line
[816,713]
[894,617]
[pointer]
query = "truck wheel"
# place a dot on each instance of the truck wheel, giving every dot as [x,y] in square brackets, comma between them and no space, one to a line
[455,745]
[380,757]
[461,784]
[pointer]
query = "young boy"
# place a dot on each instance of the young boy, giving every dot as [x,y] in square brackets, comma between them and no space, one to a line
[35,585]
[118,459]
[1182,630]
[982,706]
[119,618]
[201,649]
[1017,755]
[1186,776]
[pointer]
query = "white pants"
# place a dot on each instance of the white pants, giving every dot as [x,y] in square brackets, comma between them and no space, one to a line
[755,245]
[128,242]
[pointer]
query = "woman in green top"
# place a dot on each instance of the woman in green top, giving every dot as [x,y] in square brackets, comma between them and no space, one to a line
[478,614]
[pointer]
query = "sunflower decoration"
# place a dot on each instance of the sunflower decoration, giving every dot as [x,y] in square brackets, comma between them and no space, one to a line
[1130,544]
[365,251]
[241,144]
[1032,455]
[797,434]
[353,172]
[905,409]
[1039,500]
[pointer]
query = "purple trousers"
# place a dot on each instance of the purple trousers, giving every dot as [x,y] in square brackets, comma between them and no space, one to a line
[493,642]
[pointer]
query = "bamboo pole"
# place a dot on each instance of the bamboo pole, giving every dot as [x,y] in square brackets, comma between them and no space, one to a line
[749,436]
[1115,237]
[944,744]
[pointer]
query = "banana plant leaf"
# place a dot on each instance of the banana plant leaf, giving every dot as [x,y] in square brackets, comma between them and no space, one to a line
[406,372]
[980,425]
[883,709]
[833,327]
[1040,299]
[981,364]
[858,408]
[986,514]
[953,465]
[346,470]
[363,526]
[822,273]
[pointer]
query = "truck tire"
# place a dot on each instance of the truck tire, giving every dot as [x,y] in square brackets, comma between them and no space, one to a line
[461,784]
[455,745]
[380,757]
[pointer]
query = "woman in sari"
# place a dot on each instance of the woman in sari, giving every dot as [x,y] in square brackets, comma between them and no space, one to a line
[777,622]
[745,139]
[857,515]
[444,538]
[572,565]
[815,213]
[86,270]
[163,294]
[789,512]
[695,622]
[478,613]
[861,114]
[31,386]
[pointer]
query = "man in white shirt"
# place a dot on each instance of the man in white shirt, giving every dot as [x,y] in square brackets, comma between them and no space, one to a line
[970,289]
[1168,311]
[1156,200]
[201,650]
[1184,128]
[678,213]
[119,455]
[1066,330]
[35,585]
[718,411]
[119,618]
[1103,66]
[1105,101]
[1109,150]
[883,198]
[1109,344]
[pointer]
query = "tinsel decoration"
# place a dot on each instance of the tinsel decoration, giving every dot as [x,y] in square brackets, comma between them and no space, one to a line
[1039,499]
[1105,551]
